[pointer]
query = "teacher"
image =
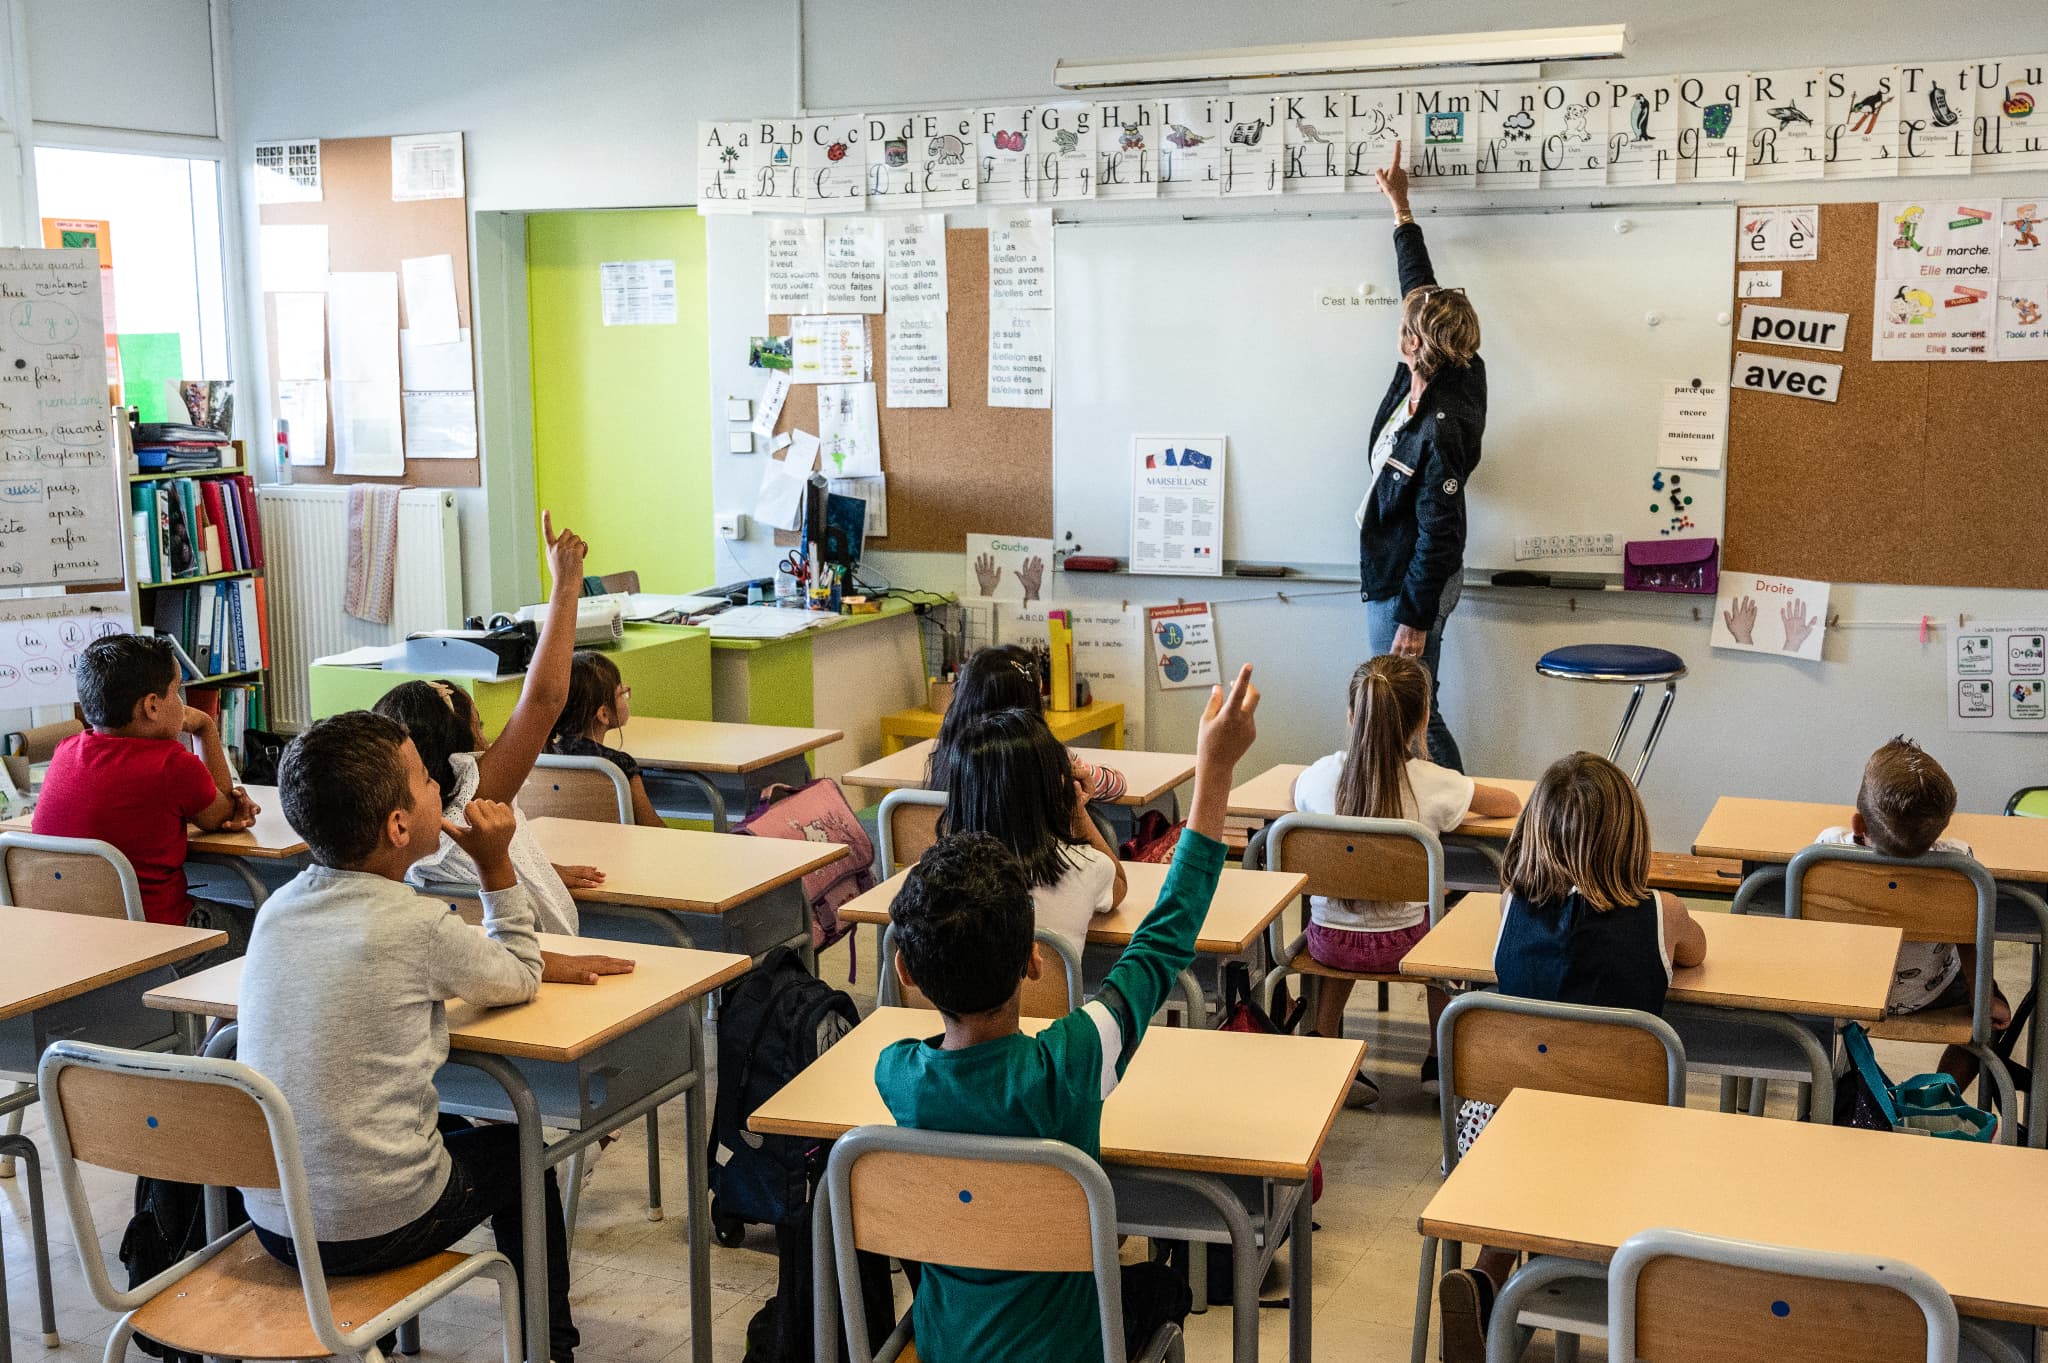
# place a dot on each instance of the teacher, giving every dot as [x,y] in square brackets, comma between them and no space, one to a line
[1425,444]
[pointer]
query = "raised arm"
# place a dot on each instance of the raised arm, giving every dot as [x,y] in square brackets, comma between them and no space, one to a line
[505,765]
[1411,256]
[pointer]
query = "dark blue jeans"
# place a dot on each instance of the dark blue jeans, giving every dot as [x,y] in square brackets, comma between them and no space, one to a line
[1379,636]
[483,1185]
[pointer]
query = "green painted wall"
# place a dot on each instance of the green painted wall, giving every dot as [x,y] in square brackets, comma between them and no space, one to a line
[621,419]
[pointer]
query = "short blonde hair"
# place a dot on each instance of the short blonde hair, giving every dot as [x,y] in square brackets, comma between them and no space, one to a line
[1445,327]
[1584,829]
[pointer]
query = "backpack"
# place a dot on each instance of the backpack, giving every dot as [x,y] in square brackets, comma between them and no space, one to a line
[816,811]
[169,1224]
[782,1330]
[773,1022]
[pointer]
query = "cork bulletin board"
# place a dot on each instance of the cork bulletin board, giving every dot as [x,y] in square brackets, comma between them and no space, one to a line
[366,230]
[1924,473]
[959,469]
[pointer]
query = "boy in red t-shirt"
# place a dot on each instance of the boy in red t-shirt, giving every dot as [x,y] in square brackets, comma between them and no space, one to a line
[131,781]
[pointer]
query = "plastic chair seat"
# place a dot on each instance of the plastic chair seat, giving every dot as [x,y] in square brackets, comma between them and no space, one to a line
[1935,1026]
[244,1304]
[1626,663]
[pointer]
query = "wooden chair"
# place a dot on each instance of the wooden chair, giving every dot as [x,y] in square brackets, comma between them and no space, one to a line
[1939,897]
[587,788]
[1491,1044]
[68,875]
[1346,858]
[998,1203]
[907,825]
[219,1123]
[1056,992]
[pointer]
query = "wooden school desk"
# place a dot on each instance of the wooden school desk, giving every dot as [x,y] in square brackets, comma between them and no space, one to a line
[1764,832]
[588,1058]
[1245,902]
[729,764]
[716,890]
[1105,717]
[1562,1175]
[76,977]
[1150,775]
[269,845]
[1780,969]
[1165,1138]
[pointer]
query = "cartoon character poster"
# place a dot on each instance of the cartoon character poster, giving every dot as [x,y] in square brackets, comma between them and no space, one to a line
[1127,133]
[1997,677]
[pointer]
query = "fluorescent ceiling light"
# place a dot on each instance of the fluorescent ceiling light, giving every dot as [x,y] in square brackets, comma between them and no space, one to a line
[1585,43]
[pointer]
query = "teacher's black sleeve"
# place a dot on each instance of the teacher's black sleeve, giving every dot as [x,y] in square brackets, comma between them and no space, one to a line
[1451,453]
[1412,258]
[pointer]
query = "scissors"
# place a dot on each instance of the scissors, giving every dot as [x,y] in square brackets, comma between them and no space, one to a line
[793,564]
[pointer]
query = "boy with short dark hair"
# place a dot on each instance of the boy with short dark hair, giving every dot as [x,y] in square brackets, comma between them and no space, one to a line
[130,780]
[963,925]
[343,1007]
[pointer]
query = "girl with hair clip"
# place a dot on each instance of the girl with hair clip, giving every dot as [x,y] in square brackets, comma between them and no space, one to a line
[1010,778]
[599,702]
[1380,774]
[1006,678]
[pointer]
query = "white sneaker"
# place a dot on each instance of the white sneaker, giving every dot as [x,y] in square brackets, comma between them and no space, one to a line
[1364,1092]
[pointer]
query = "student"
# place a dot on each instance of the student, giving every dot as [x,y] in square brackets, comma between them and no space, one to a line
[1906,799]
[963,920]
[444,726]
[344,1009]
[130,780]
[1579,924]
[1379,775]
[599,702]
[1012,780]
[1005,678]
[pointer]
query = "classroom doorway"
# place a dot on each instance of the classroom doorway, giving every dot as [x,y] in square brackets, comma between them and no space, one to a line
[621,419]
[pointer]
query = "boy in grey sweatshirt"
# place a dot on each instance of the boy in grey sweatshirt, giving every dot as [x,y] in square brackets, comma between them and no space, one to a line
[343,1008]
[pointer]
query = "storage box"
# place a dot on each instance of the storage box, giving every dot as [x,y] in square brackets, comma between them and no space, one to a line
[1660,565]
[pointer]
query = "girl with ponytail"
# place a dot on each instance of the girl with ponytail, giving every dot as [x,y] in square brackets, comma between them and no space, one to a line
[1378,775]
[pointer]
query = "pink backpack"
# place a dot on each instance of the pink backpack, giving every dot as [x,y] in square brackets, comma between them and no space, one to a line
[816,811]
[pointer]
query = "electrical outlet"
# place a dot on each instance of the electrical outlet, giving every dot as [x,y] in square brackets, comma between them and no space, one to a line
[732,525]
[1581,545]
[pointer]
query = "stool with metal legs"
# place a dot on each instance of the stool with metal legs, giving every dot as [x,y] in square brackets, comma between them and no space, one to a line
[1627,665]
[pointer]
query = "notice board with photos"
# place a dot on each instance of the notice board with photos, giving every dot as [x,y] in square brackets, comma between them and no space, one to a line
[1920,472]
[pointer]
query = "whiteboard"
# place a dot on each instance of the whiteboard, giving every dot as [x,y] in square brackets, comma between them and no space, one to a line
[1200,327]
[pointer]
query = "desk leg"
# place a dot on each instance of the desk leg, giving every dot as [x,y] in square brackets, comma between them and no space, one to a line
[1116,734]
[824,1282]
[1301,1278]
[21,1148]
[697,1173]
[533,1202]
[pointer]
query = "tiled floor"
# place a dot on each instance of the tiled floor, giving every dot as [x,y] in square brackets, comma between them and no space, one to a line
[631,1275]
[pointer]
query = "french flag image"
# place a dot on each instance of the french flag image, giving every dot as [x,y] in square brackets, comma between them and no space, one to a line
[1183,459]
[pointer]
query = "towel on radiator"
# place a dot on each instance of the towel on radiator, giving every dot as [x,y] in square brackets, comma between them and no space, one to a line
[372,552]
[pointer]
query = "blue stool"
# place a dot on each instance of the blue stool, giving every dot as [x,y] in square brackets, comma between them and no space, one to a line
[1626,665]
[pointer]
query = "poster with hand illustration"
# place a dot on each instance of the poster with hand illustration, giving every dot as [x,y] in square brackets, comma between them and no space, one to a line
[1759,613]
[1010,567]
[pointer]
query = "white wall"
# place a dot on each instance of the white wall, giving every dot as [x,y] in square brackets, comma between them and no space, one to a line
[592,104]
[135,65]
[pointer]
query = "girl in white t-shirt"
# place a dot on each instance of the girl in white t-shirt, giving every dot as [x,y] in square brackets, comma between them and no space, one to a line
[1378,776]
[1010,778]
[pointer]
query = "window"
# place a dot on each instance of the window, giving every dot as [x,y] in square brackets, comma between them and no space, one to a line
[164,228]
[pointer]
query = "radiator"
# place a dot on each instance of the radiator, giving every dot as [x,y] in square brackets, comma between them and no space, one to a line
[305,545]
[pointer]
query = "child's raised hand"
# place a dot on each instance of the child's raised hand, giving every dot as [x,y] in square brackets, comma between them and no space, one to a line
[566,551]
[488,839]
[1227,725]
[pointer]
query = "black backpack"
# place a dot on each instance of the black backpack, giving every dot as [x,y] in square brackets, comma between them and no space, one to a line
[771,1025]
[169,1224]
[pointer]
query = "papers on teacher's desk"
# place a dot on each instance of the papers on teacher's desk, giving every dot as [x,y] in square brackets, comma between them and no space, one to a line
[765,622]
[369,655]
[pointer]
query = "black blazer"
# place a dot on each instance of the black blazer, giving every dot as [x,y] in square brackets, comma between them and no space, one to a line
[1413,539]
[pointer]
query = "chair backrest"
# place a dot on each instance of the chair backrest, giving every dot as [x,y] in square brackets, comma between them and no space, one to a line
[68,875]
[1678,1294]
[190,1119]
[1055,993]
[1940,897]
[612,583]
[1491,1044]
[908,824]
[1000,1203]
[2029,802]
[1346,858]
[587,788]
[39,744]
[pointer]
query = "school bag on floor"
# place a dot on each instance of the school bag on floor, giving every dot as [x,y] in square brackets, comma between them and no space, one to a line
[1925,1105]
[816,811]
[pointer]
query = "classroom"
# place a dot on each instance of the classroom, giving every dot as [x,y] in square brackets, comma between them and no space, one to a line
[850,679]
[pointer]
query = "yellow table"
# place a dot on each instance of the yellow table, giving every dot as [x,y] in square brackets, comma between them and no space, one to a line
[729,764]
[1148,775]
[598,1056]
[1757,832]
[1103,717]
[1163,1117]
[1564,1175]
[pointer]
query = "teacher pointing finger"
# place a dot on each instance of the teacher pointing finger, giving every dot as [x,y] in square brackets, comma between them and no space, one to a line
[1425,444]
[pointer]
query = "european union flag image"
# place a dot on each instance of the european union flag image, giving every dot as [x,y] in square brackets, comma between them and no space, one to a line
[1192,459]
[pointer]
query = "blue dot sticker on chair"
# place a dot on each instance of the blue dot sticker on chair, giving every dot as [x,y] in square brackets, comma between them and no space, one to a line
[1891,885]
[150,1122]
[56,875]
[966,1196]
[1543,1048]
[1781,1309]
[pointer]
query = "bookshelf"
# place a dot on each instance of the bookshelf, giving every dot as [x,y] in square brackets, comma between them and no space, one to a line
[236,693]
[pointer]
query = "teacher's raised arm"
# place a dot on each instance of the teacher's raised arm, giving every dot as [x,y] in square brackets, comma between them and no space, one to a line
[1424,446]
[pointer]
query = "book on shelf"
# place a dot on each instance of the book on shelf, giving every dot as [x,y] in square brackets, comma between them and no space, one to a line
[216,626]
[193,527]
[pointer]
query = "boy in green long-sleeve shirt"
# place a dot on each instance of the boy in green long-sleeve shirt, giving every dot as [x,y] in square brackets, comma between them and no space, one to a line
[963,923]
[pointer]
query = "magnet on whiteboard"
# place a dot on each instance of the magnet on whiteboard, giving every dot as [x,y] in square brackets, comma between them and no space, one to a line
[1653,319]
[1722,319]
[1365,290]
[1622,226]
